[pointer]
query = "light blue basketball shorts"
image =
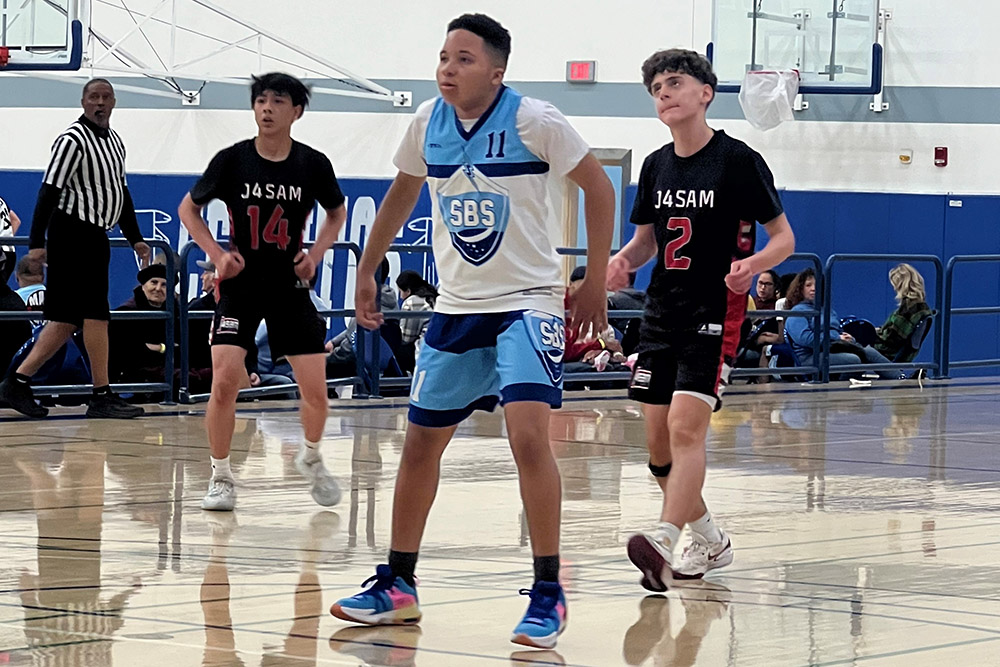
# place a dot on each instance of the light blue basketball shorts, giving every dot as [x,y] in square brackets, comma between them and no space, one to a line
[473,362]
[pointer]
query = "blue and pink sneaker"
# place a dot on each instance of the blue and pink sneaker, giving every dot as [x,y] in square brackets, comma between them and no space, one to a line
[389,601]
[545,619]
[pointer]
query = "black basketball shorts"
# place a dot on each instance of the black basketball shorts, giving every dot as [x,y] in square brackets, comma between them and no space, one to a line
[293,325]
[695,363]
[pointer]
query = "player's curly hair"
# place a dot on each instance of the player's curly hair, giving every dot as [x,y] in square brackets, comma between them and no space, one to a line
[682,61]
[280,84]
[494,35]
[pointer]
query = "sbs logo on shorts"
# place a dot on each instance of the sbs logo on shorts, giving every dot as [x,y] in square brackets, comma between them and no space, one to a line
[548,337]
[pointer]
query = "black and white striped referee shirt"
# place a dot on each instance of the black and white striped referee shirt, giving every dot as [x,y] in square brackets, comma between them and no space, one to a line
[88,166]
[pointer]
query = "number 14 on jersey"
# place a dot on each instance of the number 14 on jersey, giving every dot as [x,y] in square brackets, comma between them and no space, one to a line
[275,231]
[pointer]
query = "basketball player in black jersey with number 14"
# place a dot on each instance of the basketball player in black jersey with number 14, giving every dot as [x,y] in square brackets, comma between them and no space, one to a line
[270,185]
[696,210]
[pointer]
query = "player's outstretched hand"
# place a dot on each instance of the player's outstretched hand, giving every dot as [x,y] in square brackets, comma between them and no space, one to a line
[618,270]
[740,276]
[364,303]
[588,310]
[229,265]
[305,267]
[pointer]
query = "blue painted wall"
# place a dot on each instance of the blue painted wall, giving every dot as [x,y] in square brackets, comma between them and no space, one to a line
[824,223]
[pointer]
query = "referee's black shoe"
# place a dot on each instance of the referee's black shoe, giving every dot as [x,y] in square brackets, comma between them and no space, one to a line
[112,406]
[18,396]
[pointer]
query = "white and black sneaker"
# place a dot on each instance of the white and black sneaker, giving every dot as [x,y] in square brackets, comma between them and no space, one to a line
[700,557]
[654,559]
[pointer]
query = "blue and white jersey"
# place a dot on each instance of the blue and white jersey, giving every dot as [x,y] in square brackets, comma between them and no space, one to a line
[493,230]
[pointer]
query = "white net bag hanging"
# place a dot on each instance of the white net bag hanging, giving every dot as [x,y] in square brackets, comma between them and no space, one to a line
[767,97]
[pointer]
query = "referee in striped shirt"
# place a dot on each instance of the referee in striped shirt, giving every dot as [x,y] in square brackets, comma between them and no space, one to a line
[83,195]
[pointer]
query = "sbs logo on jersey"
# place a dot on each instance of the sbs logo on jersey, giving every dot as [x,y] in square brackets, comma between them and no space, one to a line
[476,211]
[548,337]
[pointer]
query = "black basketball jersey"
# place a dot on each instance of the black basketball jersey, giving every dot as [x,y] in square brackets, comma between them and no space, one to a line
[269,203]
[703,208]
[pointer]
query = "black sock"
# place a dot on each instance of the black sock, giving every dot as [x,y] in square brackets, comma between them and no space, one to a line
[402,564]
[547,568]
[23,379]
[103,390]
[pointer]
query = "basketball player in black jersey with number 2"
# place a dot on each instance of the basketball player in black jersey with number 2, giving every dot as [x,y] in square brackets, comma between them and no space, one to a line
[270,184]
[696,210]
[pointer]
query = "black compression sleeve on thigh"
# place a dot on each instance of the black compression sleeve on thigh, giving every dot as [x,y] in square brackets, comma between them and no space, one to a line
[659,471]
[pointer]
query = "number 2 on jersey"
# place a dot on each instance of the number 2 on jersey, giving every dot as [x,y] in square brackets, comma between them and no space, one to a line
[671,260]
[280,239]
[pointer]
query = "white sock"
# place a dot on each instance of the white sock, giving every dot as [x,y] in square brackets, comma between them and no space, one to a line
[668,533]
[220,468]
[312,450]
[707,528]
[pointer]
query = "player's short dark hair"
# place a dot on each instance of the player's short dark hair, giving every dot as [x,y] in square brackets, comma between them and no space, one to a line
[681,61]
[280,84]
[93,82]
[494,35]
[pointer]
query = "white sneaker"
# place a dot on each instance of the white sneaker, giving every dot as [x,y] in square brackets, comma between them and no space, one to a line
[648,553]
[221,496]
[700,558]
[325,489]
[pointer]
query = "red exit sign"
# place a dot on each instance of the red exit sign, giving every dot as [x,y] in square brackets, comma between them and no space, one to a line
[581,71]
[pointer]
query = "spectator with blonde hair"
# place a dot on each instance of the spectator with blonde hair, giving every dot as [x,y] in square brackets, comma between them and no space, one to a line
[911,296]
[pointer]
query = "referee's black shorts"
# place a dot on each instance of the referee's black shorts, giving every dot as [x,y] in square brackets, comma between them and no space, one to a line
[77,255]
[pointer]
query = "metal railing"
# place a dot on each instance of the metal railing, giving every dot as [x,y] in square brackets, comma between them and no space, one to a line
[948,311]
[369,382]
[167,386]
[832,260]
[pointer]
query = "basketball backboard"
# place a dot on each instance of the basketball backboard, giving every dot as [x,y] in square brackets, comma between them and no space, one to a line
[40,35]
[832,43]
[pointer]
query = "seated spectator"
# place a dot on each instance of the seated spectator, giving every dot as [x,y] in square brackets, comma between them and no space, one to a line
[199,331]
[599,353]
[764,331]
[894,336]
[801,333]
[30,275]
[13,333]
[138,347]
[784,284]
[9,224]
[342,360]
[766,293]
[206,300]
[418,295]
[627,298]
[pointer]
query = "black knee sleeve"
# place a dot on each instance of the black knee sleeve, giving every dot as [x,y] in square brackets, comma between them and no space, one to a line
[659,471]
